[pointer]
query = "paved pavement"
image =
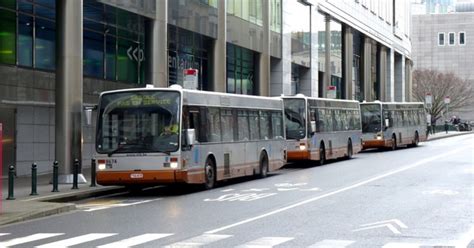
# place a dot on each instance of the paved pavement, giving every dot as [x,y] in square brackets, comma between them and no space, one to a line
[26,207]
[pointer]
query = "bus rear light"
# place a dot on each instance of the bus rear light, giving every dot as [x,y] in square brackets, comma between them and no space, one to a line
[174,163]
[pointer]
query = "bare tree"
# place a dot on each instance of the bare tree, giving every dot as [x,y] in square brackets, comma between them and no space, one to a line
[441,85]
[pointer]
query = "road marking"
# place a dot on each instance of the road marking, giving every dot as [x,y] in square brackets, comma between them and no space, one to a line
[227,190]
[359,184]
[77,240]
[28,239]
[265,242]
[331,243]
[383,223]
[100,205]
[136,240]
[440,192]
[240,197]
[4,234]
[199,241]
[465,239]
[401,245]
[255,190]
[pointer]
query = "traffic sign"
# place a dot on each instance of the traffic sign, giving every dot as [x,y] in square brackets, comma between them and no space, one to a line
[190,78]
[428,98]
[331,92]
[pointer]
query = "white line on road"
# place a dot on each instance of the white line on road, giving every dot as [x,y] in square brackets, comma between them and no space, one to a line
[265,242]
[330,243]
[389,226]
[411,166]
[4,234]
[465,239]
[138,240]
[77,240]
[401,245]
[28,239]
[199,241]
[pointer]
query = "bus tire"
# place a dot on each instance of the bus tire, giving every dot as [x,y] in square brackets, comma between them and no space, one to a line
[394,143]
[210,174]
[263,167]
[322,154]
[349,149]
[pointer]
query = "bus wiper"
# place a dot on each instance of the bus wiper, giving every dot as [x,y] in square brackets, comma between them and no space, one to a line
[119,148]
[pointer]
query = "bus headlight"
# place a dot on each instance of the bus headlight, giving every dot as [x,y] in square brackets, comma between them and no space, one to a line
[101,165]
[302,147]
[379,137]
[174,165]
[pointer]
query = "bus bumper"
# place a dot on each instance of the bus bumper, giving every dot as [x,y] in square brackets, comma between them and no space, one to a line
[141,177]
[298,155]
[366,144]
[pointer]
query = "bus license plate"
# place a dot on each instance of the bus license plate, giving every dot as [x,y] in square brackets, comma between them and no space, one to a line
[136,175]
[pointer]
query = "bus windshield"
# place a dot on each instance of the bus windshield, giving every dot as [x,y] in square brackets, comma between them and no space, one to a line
[138,122]
[295,118]
[371,118]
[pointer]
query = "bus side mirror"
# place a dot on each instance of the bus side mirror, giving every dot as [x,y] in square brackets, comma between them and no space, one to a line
[387,123]
[190,136]
[88,114]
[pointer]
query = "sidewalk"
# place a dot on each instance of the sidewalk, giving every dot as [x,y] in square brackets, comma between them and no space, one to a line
[26,207]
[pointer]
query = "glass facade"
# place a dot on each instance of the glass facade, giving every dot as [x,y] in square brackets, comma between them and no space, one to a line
[249,10]
[186,50]
[113,46]
[300,25]
[275,16]
[320,19]
[336,56]
[240,70]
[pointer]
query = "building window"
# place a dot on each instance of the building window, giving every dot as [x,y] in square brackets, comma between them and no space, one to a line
[462,38]
[440,39]
[45,44]
[248,10]
[451,39]
[7,36]
[240,70]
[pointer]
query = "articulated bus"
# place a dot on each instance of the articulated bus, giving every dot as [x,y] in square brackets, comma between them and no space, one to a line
[389,125]
[319,129]
[150,136]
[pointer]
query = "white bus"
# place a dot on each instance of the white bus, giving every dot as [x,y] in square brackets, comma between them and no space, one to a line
[390,125]
[150,136]
[319,129]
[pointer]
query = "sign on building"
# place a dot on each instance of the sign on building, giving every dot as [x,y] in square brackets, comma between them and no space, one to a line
[331,93]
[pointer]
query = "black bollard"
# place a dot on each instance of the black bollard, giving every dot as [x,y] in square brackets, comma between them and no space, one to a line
[33,179]
[75,174]
[93,171]
[11,183]
[55,176]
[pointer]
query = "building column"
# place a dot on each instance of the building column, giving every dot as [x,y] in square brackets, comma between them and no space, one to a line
[281,68]
[219,77]
[157,46]
[367,63]
[348,63]
[264,57]
[327,62]
[399,87]
[408,80]
[69,87]
[391,76]
[383,72]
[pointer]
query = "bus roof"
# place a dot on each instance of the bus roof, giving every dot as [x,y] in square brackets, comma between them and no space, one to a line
[301,96]
[216,99]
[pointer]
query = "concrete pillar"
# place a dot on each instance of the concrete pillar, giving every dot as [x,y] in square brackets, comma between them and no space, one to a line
[264,58]
[69,86]
[367,65]
[314,87]
[391,76]
[399,88]
[157,46]
[408,80]
[281,68]
[327,62]
[383,72]
[219,76]
[348,65]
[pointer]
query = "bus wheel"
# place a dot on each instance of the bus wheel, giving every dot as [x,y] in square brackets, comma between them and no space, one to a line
[210,174]
[349,149]
[394,143]
[263,165]
[322,155]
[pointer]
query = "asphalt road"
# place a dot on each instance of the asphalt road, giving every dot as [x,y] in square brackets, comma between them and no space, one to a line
[413,197]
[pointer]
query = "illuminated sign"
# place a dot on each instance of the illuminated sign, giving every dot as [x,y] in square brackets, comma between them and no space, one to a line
[142,100]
